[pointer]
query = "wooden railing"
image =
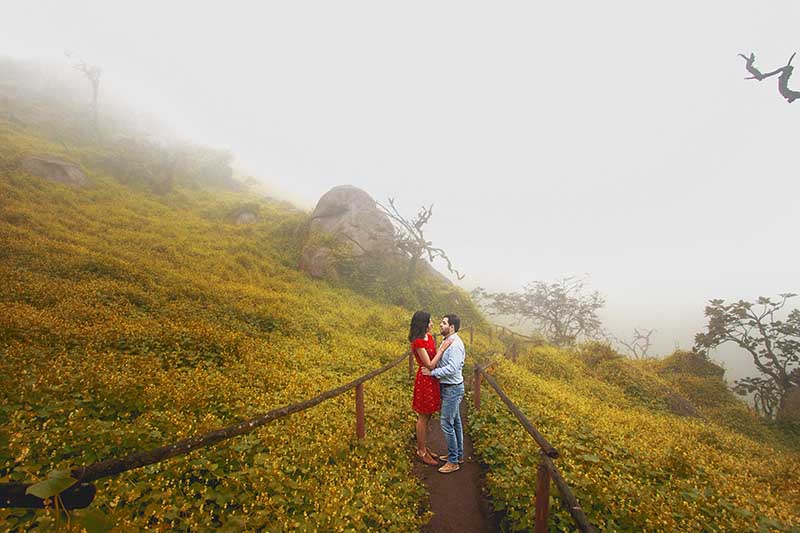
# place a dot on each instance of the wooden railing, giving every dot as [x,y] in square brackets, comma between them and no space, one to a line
[82,493]
[546,470]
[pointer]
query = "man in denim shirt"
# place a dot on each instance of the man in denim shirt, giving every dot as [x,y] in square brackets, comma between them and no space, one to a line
[451,381]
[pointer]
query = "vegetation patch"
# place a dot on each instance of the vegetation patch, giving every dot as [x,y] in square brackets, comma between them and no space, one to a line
[632,466]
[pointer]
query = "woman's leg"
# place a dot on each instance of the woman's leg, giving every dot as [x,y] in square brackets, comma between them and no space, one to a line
[422,431]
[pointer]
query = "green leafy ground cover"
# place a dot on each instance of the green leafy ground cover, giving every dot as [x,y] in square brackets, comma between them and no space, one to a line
[130,319]
[631,462]
[132,315]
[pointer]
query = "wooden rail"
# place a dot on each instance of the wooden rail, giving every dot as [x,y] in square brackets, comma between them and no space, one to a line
[532,431]
[546,469]
[81,494]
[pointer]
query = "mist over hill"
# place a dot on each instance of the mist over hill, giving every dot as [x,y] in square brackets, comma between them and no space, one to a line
[140,307]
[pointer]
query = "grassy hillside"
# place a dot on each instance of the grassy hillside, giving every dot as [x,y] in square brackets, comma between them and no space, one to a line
[130,319]
[134,312]
[633,464]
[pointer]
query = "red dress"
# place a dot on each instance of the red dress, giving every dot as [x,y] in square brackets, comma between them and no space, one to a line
[427,397]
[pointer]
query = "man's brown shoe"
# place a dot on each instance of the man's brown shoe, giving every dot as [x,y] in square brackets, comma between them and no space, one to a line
[449,467]
[445,456]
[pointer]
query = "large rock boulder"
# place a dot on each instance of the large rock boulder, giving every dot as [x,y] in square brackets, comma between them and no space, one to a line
[346,224]
[790,411]
[55,169]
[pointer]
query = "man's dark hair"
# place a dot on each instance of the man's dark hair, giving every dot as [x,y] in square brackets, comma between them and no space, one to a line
[454,321]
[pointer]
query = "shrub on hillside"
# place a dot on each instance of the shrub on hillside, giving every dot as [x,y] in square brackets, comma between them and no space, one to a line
[704,391]
[549,361]
[631,469]
[384,279]
[594,352]
[645,388]
[682,362]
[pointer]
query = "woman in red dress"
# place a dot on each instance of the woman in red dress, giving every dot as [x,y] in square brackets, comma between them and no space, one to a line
[427,398]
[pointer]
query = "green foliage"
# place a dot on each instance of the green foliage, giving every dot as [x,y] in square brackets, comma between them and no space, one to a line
[682,362]
[595,352]
[632,465]
[383,279]
[560,311]
[132,319]
[551,362]
[772,342]
[57,482]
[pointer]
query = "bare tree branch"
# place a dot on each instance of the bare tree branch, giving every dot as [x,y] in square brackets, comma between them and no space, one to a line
[784,72]
[93,74]
[410,238]
[640,343]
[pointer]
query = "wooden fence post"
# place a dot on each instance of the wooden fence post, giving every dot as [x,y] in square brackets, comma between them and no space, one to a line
[476,388]
[360,424]
[471,331]
[542,497]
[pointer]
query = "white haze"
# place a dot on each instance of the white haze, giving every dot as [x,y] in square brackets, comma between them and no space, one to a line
[612,138]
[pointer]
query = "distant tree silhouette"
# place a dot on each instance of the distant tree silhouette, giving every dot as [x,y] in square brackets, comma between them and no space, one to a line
[561,311]
[639,344]
[410,238]
[784,73]
[773,344]
[93,74]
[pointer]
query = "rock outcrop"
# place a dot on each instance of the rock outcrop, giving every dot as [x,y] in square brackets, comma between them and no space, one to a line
[680,405]
[55,169]
[345,223]
[246,217]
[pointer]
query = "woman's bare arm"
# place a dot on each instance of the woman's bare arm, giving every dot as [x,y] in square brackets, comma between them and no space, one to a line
[444,346]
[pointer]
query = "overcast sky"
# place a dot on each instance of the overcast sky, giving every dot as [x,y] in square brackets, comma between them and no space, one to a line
[614,138]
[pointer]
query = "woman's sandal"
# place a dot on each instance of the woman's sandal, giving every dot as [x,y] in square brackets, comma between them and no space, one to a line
[426,458]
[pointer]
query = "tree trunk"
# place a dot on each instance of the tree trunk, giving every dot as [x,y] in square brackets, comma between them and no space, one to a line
[95,111]
[411,274]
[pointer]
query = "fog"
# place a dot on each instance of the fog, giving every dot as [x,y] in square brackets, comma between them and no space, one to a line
[617,139]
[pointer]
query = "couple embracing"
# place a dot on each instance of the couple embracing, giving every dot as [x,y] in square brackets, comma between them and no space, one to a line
[439,384]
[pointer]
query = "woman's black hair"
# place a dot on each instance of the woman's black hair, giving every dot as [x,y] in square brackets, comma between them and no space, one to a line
[419,325]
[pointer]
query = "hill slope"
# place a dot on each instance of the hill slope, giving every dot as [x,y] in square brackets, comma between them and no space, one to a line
[130,319]
[632,463]
[133,314]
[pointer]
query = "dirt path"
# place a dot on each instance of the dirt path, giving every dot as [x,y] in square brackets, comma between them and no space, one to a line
[457,501]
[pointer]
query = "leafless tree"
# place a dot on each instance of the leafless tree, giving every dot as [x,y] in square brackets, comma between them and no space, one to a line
[93,74]
[784,73]
[639,344]
[410,238]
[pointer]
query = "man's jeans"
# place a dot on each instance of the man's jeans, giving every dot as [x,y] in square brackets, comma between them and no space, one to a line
[450,420]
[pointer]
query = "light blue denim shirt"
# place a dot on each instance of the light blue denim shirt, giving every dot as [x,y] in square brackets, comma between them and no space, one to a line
[448,371]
